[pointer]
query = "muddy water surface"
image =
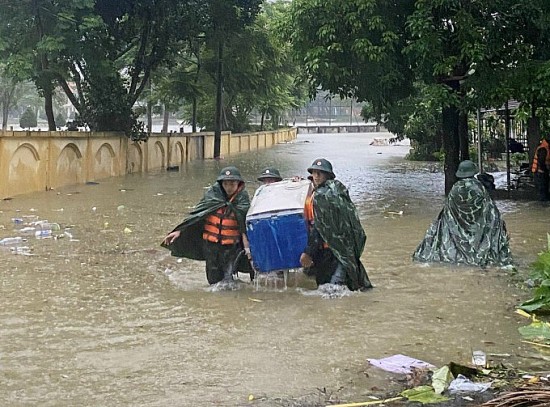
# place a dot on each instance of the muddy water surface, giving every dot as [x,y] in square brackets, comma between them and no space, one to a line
[103,316]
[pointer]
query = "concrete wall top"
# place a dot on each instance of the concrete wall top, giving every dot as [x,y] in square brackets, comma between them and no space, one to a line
[60,134]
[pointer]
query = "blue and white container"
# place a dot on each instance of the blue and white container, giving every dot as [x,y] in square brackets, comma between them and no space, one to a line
[275,225]
[43,234]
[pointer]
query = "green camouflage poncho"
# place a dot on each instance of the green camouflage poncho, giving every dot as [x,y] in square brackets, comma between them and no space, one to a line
[469,230]
[189,244]
[337,222]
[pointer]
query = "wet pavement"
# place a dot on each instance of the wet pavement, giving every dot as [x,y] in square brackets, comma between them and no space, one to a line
[101,315]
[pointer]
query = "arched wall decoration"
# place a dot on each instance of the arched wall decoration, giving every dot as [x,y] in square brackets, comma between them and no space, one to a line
[135,158]
[68,166]
[24,171]
[105,161]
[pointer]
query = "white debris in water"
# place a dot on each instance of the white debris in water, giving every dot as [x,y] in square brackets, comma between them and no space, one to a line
[223,285]
[330,291]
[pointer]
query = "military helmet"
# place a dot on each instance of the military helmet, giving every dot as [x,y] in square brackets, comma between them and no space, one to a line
[270,172]
[322,165]
[466,169]
[230,174]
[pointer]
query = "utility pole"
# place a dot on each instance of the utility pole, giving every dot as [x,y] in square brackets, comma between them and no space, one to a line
[219,102]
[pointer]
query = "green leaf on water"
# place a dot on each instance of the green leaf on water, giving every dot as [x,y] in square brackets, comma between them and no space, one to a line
[424,395]
[538,331]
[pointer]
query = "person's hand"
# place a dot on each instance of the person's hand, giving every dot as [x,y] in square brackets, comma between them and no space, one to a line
[171,237]
[247,252]
[306,260]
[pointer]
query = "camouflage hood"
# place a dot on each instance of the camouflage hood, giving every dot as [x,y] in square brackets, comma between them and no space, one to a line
[338,224]
[469,230]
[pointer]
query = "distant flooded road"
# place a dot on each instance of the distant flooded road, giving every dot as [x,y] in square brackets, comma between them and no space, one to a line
[103,316]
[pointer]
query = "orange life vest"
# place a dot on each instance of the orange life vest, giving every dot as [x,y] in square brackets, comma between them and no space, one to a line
[221,227]
[309,214]
[535,167]
[308,209]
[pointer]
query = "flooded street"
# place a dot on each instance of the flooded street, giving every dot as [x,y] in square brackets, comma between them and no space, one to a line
[104,316]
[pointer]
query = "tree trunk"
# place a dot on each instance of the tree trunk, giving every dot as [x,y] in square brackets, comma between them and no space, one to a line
[219,102]
[451,141]
[149,109]
[464,140]
[165,117]
[5,108]
[5,111]
[194,115]
[48,109]
[44,80]
[262,122]
[533,133]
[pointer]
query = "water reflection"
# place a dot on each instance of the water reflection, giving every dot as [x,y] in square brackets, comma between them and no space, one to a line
[107,317]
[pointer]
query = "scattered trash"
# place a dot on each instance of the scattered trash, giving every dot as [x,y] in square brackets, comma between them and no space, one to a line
[399,364]
[21,250]
[423,394]
[120,208]
[464,385]
[399,213]
[441,379]
[479,358]
[8,241]
[43,234]
[127,230]
[380,142]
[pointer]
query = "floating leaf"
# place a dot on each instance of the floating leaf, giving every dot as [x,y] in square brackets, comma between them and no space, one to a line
[423,394]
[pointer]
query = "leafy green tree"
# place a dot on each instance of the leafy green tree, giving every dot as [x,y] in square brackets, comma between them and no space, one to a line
[28,42]
[101,52]
[28,119]
[376,51]
[462,47]
[353,48]
[112,54]
[227,19]
[8,91]
[259,74]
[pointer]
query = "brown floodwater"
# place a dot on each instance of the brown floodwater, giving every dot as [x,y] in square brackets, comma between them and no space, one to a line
[103,316]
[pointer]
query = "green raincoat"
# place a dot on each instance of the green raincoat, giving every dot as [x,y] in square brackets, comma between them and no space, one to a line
[190,243]
[339,226]
[469,230]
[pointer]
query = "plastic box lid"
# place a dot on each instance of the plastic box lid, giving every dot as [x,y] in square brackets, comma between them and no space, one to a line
[280,196]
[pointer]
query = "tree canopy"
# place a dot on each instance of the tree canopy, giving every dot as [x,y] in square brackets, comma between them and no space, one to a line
[469,54]
[103,55]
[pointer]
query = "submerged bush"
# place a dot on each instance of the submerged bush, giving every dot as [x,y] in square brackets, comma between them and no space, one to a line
[540,275]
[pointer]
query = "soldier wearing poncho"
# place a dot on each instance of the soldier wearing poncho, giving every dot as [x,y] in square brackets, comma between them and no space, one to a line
[270,175]
[469,230]
[336,238]
[215,229]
